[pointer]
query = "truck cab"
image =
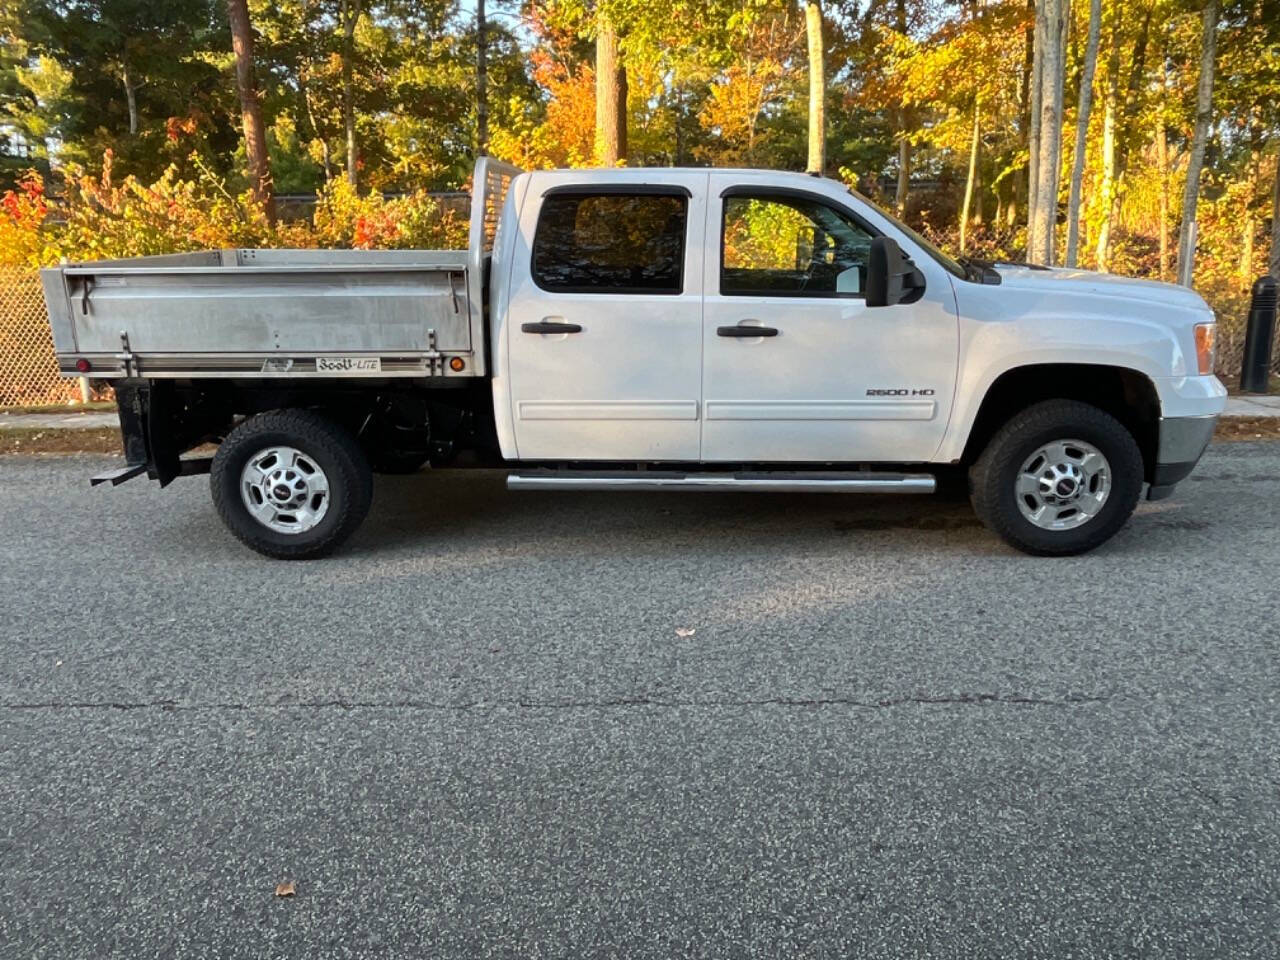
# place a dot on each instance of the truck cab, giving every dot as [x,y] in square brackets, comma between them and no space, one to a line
[711,316]
[683,329]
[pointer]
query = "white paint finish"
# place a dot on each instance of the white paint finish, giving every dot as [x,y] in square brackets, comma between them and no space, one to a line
[868,410]
[500,271]
[802,395]
[636,352]
[609,411]
[1037,317]
[632,383]
[1192,396]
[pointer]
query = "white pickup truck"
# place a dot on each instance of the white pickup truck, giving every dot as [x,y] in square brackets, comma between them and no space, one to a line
[648,329]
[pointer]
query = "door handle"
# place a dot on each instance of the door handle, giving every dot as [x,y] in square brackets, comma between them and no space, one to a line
[742,330]
[543,327]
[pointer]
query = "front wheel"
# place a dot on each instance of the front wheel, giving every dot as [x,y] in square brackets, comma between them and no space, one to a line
[291,484]
[1058,479]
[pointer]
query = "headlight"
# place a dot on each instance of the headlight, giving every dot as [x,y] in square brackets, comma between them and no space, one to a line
[1206,347]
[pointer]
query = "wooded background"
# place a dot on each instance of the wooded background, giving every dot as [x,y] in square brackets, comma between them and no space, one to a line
[1094,132]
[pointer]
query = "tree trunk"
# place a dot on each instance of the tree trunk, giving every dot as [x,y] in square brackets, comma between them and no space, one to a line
[611,97]
[968,183]
[1082,131]
[350,15]
[1204,113]
[304,85]
[130,97]
[1248,226]
[255,133]
[1248,223]
[1275,224]
[1020,186]
[1162,162]
[903,188]
[1048,167]
[817,88]
[1035,103]
[1107,192]
[482,82]
[904,145]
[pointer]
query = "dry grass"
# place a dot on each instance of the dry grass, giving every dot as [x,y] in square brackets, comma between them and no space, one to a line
[1232,429]
[93,406]
[26,440]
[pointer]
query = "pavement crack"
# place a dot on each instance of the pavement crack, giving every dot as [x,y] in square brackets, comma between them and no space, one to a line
[961,699]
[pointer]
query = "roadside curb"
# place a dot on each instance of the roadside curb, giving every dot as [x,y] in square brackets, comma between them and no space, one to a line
[1253,406]
[58,421]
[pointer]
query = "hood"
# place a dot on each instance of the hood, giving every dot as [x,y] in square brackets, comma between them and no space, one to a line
[1090,283]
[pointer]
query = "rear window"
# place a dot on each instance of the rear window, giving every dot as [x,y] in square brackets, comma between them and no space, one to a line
[610,243]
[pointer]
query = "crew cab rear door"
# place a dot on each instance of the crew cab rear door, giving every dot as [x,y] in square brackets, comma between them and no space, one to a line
[604,318]
[827,378]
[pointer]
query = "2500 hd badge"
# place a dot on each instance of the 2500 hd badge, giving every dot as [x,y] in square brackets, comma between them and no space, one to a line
[901,392]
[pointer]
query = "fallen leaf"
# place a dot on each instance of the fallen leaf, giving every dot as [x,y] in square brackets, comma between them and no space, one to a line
[285,889]
[685,631]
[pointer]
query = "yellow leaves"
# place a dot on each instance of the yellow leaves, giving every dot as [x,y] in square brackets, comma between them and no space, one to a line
[102,218]
[737,100]
[566,137]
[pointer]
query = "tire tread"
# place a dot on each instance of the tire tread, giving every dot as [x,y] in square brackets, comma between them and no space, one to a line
[991,472]
[309,430]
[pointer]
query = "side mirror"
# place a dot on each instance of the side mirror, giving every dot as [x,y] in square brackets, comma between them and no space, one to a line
[891,276]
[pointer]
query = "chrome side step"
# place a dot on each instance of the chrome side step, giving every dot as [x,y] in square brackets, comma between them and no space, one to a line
[765,481]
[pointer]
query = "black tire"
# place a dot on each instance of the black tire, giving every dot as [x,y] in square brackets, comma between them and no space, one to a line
[334,450]
[993,477]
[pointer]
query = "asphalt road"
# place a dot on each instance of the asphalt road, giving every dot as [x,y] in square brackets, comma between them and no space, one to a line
[477,733]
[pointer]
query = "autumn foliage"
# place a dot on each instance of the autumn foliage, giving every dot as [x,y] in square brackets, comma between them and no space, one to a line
[100,217]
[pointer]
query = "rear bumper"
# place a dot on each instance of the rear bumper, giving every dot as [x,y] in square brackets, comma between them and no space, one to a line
[1183,441]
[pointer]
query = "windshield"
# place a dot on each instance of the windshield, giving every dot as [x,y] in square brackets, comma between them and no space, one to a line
[949,264]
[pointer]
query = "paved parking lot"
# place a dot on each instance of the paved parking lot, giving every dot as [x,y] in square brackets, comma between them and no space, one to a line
[477,731]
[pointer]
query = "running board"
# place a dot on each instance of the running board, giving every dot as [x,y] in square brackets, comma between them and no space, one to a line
[773,482]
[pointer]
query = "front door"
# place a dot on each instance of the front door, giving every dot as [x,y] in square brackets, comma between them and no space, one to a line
[604,331]
[828,379]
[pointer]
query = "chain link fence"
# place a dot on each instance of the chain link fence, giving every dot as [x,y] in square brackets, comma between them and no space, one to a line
[1232,324]
[28,371]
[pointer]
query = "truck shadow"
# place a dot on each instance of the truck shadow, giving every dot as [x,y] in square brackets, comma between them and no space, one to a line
[477,504]
[433,506]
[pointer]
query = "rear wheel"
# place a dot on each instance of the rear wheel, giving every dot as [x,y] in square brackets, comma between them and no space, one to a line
[1060,478]
[291,484]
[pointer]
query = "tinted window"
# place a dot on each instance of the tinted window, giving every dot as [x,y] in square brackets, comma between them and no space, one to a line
[610,243]
[791,247]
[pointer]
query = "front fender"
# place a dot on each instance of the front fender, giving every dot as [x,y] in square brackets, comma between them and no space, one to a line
[1000,333]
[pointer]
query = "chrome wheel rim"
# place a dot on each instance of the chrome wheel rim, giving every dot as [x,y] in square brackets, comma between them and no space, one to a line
[1063,485]
[284,490]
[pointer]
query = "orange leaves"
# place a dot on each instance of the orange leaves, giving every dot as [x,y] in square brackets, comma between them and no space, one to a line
[345,218]
[99,217]
[565,137]
[175,128]
[737,102]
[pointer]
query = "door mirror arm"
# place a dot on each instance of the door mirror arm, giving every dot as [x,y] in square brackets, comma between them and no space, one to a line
[891,276]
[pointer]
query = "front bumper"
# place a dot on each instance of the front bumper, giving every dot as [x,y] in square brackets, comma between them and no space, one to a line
[1183,441]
